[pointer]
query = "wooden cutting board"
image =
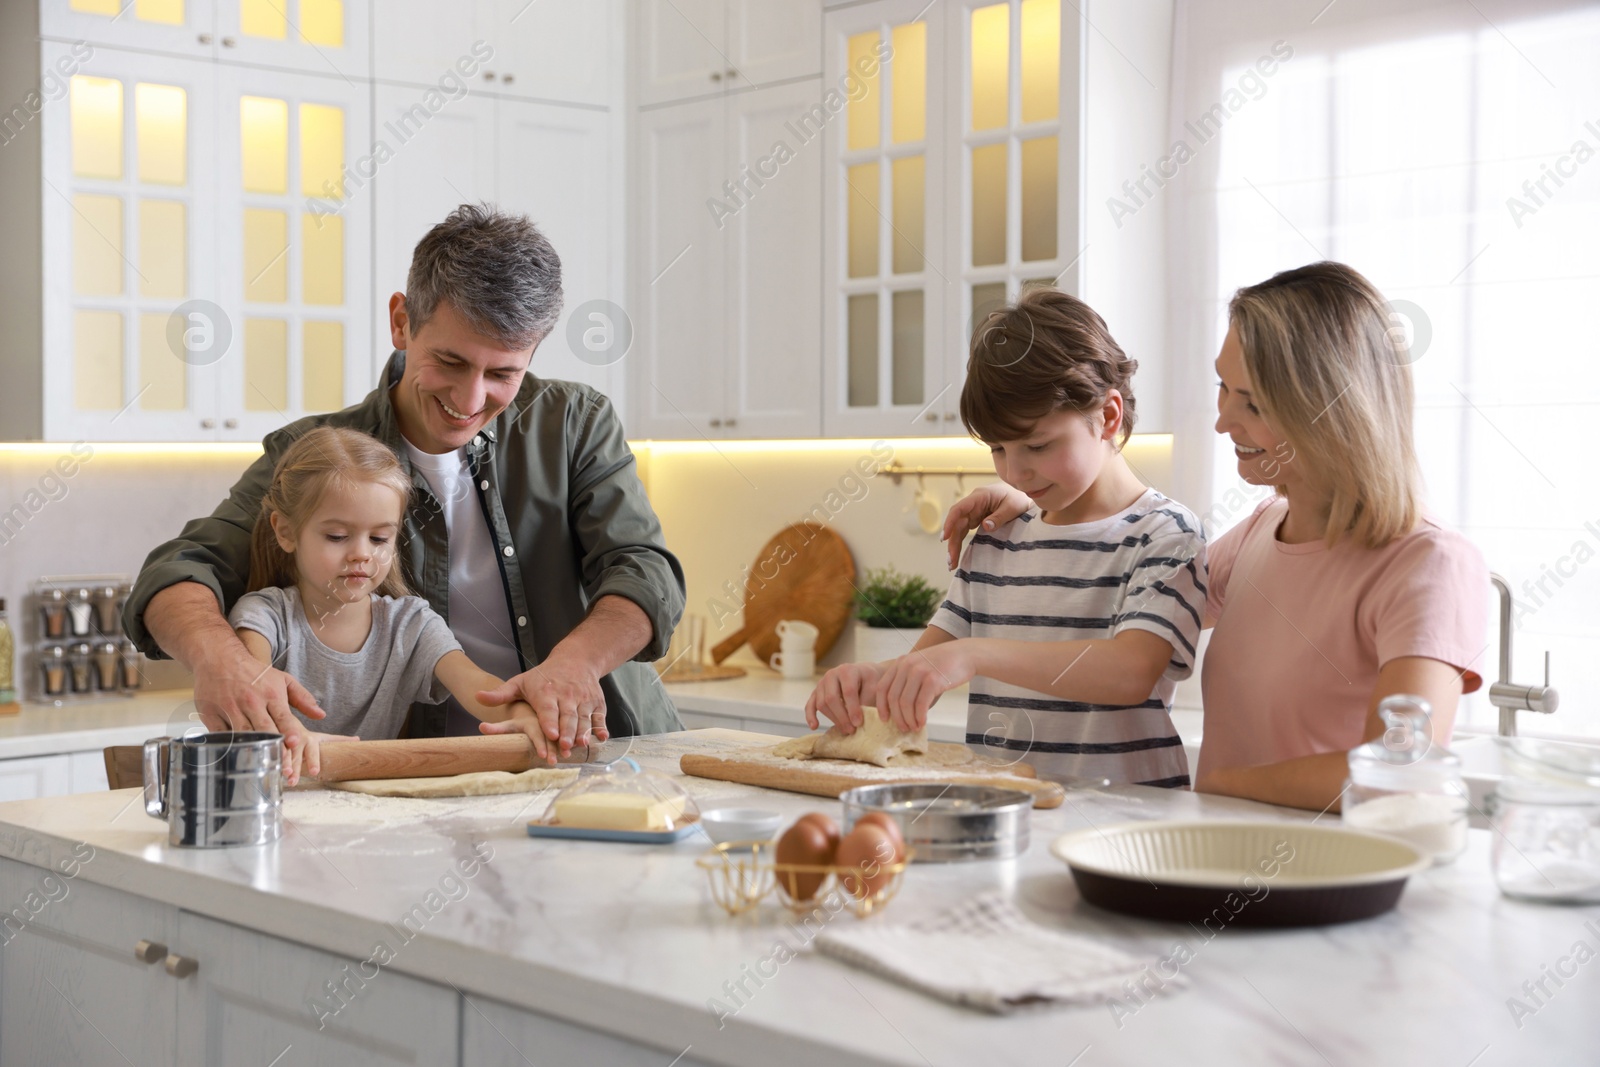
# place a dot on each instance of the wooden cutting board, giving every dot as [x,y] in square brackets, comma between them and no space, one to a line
[831,777]
[805,572]
[433,757]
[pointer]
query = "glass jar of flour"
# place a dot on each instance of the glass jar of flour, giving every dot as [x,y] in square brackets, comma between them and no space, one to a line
[1404,785]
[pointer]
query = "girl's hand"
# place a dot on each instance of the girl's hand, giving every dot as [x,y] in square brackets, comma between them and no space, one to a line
[841,694]
[523,719]
[986,507]
[304,756]
[914,682]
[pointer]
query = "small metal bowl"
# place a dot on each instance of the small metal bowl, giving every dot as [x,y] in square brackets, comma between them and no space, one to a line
[942,823]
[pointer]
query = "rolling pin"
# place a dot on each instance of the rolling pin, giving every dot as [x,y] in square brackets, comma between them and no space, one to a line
[434,757]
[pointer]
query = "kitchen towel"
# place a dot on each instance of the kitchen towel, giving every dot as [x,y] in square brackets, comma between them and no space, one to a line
[984,953]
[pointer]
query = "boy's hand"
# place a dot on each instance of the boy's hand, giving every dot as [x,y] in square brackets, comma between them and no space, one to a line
[914,682]
[986,507]
[302,753]
[841,694]
[523,719]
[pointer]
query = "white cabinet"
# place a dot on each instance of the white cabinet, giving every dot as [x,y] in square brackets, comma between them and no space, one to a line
[690,48]
[72,990]
[87,771]
[328,37]
[553,163]
[498,1035]
[552,50]
[35,776]
[727,268]
[253,998]
[173,26]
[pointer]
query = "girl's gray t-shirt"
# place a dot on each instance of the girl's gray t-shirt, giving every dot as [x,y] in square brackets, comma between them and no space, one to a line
[366,693]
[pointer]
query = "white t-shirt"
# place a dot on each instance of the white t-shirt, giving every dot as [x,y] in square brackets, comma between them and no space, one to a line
[480,615]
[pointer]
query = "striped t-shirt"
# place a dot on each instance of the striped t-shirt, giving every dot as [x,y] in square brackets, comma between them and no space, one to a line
[1141,569]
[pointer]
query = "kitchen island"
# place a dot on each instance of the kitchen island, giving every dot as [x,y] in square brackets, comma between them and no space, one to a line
[500,949]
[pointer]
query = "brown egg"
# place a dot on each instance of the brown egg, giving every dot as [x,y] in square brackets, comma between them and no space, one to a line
[870,850]
[890,826]
[829,827]
[803,843]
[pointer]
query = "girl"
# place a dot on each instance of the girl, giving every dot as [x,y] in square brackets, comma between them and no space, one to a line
[1339,590]
[1076,620]
[328,606]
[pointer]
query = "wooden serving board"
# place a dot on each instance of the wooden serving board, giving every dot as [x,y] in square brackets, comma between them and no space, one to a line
[805,572]
[433,757]
[831,777]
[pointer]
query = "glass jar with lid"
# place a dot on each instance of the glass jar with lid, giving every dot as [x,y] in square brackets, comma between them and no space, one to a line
[1403,785]
[1546,819]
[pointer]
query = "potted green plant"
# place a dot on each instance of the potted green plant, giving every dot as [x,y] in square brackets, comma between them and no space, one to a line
[892,609]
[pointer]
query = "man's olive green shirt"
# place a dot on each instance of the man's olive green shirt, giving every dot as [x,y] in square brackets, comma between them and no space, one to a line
[565,507]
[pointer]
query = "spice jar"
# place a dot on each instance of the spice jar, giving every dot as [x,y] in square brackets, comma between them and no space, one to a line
[107,664]
[82,679]
[1403,785]
[80,612]
[130,665]
[105,609]
[53,613]
[53,666]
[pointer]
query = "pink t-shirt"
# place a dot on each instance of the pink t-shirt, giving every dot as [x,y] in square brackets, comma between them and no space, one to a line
[1302,630]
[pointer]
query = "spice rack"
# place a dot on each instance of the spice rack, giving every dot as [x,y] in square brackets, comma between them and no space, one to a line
[72,626]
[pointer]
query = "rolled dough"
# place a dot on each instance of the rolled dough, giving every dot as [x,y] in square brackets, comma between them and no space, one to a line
[876,742]
[476,784]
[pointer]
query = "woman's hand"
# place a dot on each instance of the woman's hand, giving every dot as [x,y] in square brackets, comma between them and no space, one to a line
[842,693]
[523,719]
[987,506]
[913,683]
[305,755]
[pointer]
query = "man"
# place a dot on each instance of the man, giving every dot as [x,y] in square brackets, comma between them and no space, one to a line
[529,530]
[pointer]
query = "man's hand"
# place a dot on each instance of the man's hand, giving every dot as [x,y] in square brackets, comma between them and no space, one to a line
[841,694]
[523,719]
[566,697]
[235,691]
[912,683]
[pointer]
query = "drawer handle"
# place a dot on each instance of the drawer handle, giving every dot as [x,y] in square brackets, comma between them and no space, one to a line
[149,951]
[182,966]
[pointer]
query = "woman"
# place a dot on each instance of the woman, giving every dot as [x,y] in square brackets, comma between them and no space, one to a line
[1338,591]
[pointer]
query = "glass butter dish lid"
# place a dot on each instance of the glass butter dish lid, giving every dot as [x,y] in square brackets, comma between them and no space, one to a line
[621,802]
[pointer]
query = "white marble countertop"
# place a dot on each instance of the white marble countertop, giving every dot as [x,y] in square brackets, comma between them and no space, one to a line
[42,729]
[563,927]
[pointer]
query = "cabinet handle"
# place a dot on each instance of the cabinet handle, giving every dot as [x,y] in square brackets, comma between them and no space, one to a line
[205,38]
[732,73]
[149,951]
[716,424]
[508,78]
[182,966]
[716,75]
[730,422]
[949,416]
[228,42]
[933,416]
[208,424]
[231,424]
[488,75]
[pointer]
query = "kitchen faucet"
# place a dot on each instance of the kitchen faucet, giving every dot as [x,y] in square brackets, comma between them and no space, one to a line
[1509,697]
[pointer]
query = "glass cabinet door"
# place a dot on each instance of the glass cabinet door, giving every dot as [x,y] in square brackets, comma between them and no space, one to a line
[884,242]
[296,163]
[328,37]
[180,27]
[129,262]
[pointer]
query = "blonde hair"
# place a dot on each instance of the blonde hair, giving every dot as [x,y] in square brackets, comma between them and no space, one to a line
[326,458]
[1331,375]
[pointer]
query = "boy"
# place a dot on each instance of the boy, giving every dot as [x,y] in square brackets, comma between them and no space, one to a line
[1075,621]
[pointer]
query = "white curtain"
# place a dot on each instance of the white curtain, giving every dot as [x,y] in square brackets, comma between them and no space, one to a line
[1450,152]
